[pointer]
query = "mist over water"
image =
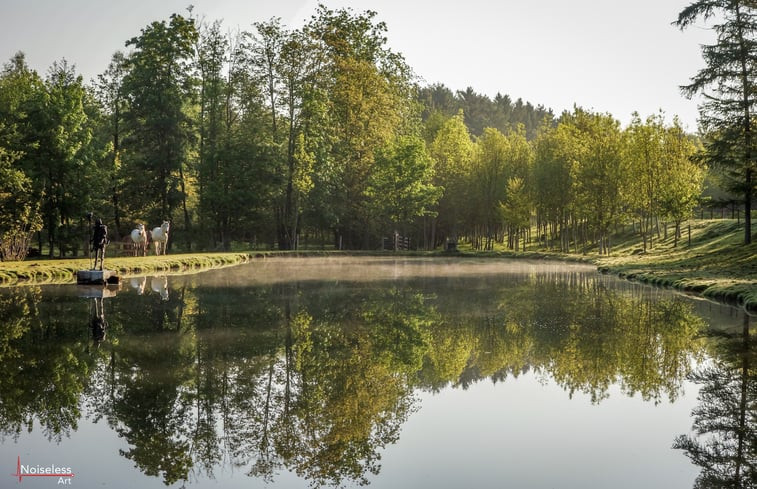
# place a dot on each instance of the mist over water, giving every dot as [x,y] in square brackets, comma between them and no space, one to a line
[365,269]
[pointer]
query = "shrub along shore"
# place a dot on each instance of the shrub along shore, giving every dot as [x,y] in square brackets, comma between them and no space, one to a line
[712,263]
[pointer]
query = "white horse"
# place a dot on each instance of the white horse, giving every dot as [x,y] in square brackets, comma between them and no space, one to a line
[160,237]
[139,237]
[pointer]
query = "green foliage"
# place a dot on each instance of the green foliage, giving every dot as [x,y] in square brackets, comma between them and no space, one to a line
[234,174]
[108,91]
[500,161]
[683,178]
[452,151]
[48,128]
[400,187]
[19,213]
[665,181]
[554,174]
[600,175]
[516,209]
[364,86]
[482,112]
[276,134]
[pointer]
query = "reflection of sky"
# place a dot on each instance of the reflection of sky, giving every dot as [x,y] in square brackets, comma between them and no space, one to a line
[91,453]
[522,433]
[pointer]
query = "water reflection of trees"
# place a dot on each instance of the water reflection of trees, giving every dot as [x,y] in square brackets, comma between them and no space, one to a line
[572,328]
[724,443]
[45,363]
[317,378]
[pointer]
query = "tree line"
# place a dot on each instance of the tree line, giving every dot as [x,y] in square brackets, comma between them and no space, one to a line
[283,137]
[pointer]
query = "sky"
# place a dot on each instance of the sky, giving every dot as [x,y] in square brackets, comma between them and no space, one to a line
[609,56]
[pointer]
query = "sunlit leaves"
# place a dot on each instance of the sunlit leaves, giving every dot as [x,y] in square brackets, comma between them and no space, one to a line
[400,186]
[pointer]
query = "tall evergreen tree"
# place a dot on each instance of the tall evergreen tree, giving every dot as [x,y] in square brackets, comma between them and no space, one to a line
[728,84]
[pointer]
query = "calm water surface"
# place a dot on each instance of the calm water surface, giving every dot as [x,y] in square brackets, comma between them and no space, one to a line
[441,373]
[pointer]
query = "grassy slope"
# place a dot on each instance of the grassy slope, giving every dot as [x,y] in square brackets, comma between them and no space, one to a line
[716,265]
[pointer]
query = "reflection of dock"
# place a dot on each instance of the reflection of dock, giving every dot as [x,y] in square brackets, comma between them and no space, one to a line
[96,277]
[97,291]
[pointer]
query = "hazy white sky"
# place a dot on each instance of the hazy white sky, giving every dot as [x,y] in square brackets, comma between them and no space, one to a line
[607,55]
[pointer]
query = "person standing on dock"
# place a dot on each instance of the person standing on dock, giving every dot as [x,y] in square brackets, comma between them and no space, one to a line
[99,241]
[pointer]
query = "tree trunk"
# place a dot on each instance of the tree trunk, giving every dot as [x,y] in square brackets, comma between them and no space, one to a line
[187,223]
[746,91]
[748,208]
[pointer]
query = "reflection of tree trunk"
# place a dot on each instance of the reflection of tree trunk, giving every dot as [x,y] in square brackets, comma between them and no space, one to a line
[225,411]
[725,417]
[289,365]
[197,397]
[267,410]
[112,380]
[742,429]
[180,312]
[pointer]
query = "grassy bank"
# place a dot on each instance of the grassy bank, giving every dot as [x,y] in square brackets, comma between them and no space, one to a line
[709,259]
[64,271]
[716,265]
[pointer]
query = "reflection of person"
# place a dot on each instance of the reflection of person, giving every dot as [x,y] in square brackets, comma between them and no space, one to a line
[98,323]
[99,241]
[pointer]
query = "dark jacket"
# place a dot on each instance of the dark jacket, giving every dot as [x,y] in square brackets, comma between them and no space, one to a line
[100,235]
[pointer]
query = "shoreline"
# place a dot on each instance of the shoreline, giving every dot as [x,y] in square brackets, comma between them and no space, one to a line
[719,285]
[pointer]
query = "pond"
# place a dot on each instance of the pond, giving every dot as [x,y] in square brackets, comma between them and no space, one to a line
[408,372]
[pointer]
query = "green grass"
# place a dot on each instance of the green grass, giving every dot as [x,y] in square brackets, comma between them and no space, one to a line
[717,265]
[64,270]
